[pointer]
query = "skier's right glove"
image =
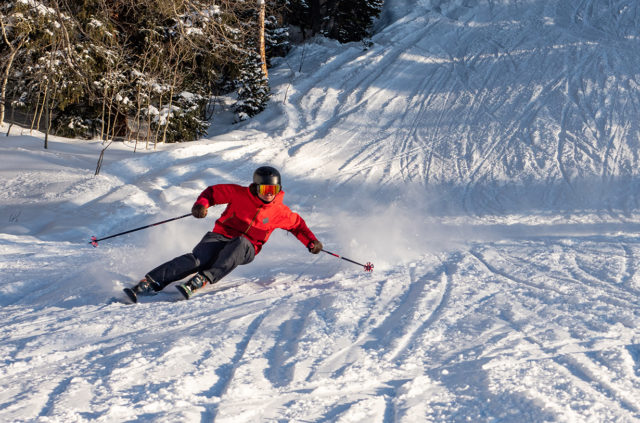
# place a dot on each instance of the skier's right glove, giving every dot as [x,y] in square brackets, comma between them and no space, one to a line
[199,211]
[315,247]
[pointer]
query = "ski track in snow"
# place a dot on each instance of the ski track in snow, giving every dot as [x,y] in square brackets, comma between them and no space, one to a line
[484,155]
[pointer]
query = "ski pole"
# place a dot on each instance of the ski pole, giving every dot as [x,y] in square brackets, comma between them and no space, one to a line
[94,240]
[367,267]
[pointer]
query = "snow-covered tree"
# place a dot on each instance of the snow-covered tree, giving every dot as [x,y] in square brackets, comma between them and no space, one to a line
[344,20]
[277,38]
[351,20]
[253,88]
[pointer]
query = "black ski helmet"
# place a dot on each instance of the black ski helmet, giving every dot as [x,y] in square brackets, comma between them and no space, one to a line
[266,175]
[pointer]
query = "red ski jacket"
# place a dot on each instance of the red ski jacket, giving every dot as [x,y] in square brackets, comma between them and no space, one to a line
[248,216]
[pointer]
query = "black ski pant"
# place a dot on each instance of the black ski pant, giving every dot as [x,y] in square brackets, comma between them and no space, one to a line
[215,256]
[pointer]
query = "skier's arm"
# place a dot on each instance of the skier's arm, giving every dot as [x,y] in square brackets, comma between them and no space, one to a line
[217,194]
[212,195]
[298,227]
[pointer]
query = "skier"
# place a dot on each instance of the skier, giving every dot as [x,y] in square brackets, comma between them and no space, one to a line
[251,215]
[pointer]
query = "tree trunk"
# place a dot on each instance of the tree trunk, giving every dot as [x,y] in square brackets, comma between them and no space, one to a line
[13,112]
[171,92]
[48,118]
[263,55]
[316,17]
[104,106]
[7,70]
[42,107]
[157,131]
[5,80]
[149,93]
[45,105]
[137,118]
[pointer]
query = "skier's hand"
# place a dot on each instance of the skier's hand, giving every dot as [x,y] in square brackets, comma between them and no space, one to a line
[315,247]
[199,211]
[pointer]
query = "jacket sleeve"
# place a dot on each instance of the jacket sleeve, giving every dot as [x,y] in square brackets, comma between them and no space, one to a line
[298,227]
[217,194]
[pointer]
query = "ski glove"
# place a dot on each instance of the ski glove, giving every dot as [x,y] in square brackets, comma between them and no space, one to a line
[199,211]
[315,247]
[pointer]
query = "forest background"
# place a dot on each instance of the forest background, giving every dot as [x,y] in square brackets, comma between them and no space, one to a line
[153,70]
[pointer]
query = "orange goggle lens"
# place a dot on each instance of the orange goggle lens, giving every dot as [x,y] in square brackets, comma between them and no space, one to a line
[268,189]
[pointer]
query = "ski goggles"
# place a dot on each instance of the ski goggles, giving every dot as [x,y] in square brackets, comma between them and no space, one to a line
[268,189]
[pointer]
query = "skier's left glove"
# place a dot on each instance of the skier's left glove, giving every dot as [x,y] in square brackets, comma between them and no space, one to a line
[315,247]
[199,211]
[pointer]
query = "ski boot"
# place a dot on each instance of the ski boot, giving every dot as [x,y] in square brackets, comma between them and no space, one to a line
[196,282]
[145,287]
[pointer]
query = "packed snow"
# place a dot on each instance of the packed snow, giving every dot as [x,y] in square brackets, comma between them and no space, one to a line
[484,155]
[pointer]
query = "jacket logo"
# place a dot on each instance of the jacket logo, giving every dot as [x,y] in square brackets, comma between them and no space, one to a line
[265,220]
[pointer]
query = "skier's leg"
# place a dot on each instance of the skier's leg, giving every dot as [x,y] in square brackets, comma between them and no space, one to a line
[237,251]
[204,252]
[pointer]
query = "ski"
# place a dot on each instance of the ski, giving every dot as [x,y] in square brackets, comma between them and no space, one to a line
[132,295]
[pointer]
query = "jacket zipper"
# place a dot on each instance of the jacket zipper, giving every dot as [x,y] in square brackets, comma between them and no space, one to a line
[252,220]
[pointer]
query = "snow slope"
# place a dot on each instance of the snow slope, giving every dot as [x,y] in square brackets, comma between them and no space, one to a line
[482,154]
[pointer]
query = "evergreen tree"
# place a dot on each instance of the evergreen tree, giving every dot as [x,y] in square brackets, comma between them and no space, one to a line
[299,15]
[277,38]
[253,88]
[352,19]
[343,20]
